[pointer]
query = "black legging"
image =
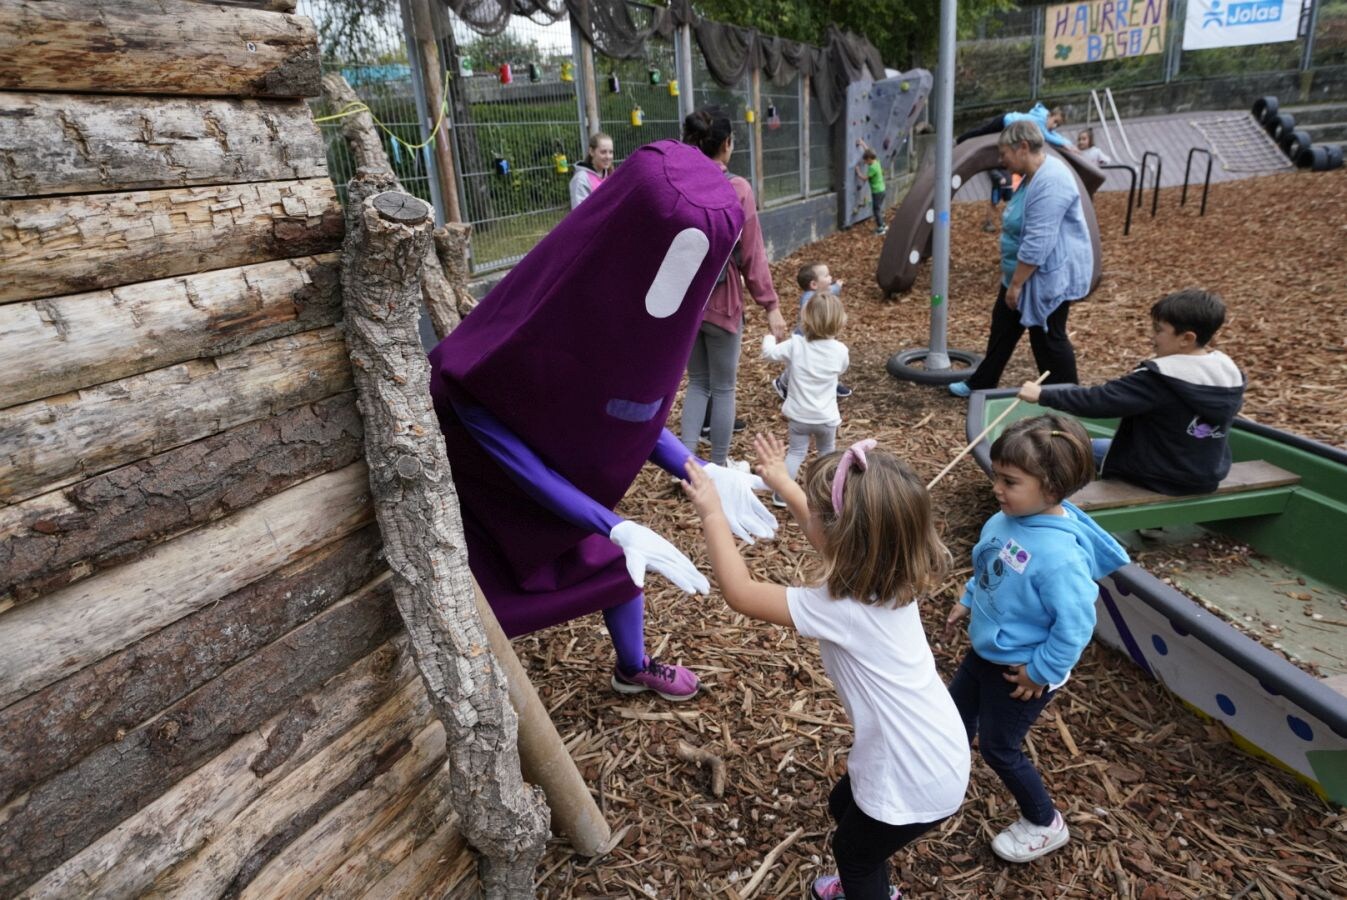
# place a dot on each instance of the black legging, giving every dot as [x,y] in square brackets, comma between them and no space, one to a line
[1051,345]
[862,845]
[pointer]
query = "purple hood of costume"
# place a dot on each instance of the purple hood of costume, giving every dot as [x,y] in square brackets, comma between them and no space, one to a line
[581,348]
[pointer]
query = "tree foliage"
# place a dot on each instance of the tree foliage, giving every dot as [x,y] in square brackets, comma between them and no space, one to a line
[904,31]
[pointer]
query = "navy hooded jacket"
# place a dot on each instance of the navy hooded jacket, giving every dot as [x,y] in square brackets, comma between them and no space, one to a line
[1176,412]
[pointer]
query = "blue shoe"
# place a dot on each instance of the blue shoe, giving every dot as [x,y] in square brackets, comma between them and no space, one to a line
[843,390]
[960,389]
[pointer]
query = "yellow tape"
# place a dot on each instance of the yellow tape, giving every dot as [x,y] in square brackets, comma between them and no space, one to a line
[358,106]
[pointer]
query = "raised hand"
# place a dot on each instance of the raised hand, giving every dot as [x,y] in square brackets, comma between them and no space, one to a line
[771,454]
[747,517]
[701,490]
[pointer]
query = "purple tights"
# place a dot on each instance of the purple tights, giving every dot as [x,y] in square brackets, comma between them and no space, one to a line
[626,627]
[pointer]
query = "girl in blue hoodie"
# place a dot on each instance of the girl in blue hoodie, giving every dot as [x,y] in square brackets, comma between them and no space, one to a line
[1031,610]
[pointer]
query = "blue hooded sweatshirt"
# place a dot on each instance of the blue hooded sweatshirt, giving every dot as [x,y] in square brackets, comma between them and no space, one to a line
[1033,590]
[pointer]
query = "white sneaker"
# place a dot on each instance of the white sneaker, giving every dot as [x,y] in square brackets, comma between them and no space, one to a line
[1024,841]
[737,465]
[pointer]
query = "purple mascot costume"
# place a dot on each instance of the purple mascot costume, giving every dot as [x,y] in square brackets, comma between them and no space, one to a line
[553,394]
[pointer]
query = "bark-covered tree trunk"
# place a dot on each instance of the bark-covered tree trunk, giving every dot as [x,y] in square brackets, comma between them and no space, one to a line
[155,47]
[445,300]
[503,818]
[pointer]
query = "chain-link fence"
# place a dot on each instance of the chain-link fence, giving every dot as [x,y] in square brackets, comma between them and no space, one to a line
[638,98]
[996,64]
[1330,34]
[517,113]
[735,102]
[822,172]
[365,45]
[515,110]
[782,178]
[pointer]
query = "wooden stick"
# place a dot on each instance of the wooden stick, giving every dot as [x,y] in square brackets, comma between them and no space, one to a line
[703,757]
[768,862]
[986,431]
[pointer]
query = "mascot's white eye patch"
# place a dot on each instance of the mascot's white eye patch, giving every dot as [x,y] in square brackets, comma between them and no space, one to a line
[681,262]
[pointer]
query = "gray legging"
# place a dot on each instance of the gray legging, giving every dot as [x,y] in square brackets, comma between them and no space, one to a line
[713,368]
[798,448]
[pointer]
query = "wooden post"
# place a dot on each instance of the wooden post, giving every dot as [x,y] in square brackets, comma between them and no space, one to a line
[590,78]
[423,539]
[542,754]
[432,74]
[423,535]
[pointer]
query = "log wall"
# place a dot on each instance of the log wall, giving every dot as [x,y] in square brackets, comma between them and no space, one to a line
[205,688]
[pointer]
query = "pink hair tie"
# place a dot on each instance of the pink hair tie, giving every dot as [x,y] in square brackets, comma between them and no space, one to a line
[855,455]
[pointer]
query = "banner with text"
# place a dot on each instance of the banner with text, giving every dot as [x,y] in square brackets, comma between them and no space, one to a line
[1095,30]
[1223,23]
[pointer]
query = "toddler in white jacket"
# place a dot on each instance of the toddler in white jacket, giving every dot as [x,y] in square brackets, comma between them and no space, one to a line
[816,359]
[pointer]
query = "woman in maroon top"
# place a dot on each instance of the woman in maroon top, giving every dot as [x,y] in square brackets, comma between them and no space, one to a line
[713,366]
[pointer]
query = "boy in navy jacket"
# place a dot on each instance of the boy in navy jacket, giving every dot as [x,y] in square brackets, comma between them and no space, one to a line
[1176,408]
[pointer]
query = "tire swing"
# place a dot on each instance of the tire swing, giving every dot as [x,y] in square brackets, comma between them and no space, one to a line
[908,365]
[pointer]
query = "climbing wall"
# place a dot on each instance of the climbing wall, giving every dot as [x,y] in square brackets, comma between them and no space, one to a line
[880,113]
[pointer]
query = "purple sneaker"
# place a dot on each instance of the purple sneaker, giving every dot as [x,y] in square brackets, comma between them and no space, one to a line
[670,682]
[829,887]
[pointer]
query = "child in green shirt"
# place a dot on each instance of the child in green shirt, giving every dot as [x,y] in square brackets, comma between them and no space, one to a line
[869,168]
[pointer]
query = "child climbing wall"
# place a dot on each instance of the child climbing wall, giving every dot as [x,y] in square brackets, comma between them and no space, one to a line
[880,114]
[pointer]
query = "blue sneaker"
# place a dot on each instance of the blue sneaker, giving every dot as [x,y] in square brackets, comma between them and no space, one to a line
[960,389]
[843,390]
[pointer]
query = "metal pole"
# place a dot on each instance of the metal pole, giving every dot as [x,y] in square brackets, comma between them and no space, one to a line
[687,102]
[937,356]
[1172,58]
[1036,56]
[755,130]
[804,136]
[1312,23]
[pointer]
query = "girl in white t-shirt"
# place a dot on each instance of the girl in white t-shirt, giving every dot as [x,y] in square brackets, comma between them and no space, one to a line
[815,360]
[869,517]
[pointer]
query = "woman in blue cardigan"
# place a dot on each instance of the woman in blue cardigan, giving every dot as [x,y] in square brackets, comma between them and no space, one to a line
[1046,262]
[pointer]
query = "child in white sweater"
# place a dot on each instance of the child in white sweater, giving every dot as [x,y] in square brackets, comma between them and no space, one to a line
[816,359]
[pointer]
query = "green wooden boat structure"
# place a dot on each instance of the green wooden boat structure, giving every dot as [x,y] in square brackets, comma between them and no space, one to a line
[1286,500]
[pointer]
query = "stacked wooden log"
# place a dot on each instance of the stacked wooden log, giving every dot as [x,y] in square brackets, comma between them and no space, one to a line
[204,684]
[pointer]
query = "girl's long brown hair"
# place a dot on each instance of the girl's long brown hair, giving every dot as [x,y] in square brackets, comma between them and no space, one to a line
[883,547]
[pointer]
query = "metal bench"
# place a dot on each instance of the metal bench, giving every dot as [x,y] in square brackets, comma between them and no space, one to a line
[1252,488]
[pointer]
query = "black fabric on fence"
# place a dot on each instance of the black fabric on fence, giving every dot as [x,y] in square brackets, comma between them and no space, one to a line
[730,51]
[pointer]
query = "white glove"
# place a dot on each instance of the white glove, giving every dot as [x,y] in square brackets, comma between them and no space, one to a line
[747,516]
[646,550]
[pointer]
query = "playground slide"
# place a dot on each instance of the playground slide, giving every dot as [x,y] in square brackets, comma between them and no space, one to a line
[909,238]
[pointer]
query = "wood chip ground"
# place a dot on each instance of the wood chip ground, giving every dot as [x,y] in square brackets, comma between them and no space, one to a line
[1160,804]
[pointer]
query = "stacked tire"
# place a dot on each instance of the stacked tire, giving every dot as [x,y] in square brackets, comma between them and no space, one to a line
[1295,142]
[1265,110]
[1323,158]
